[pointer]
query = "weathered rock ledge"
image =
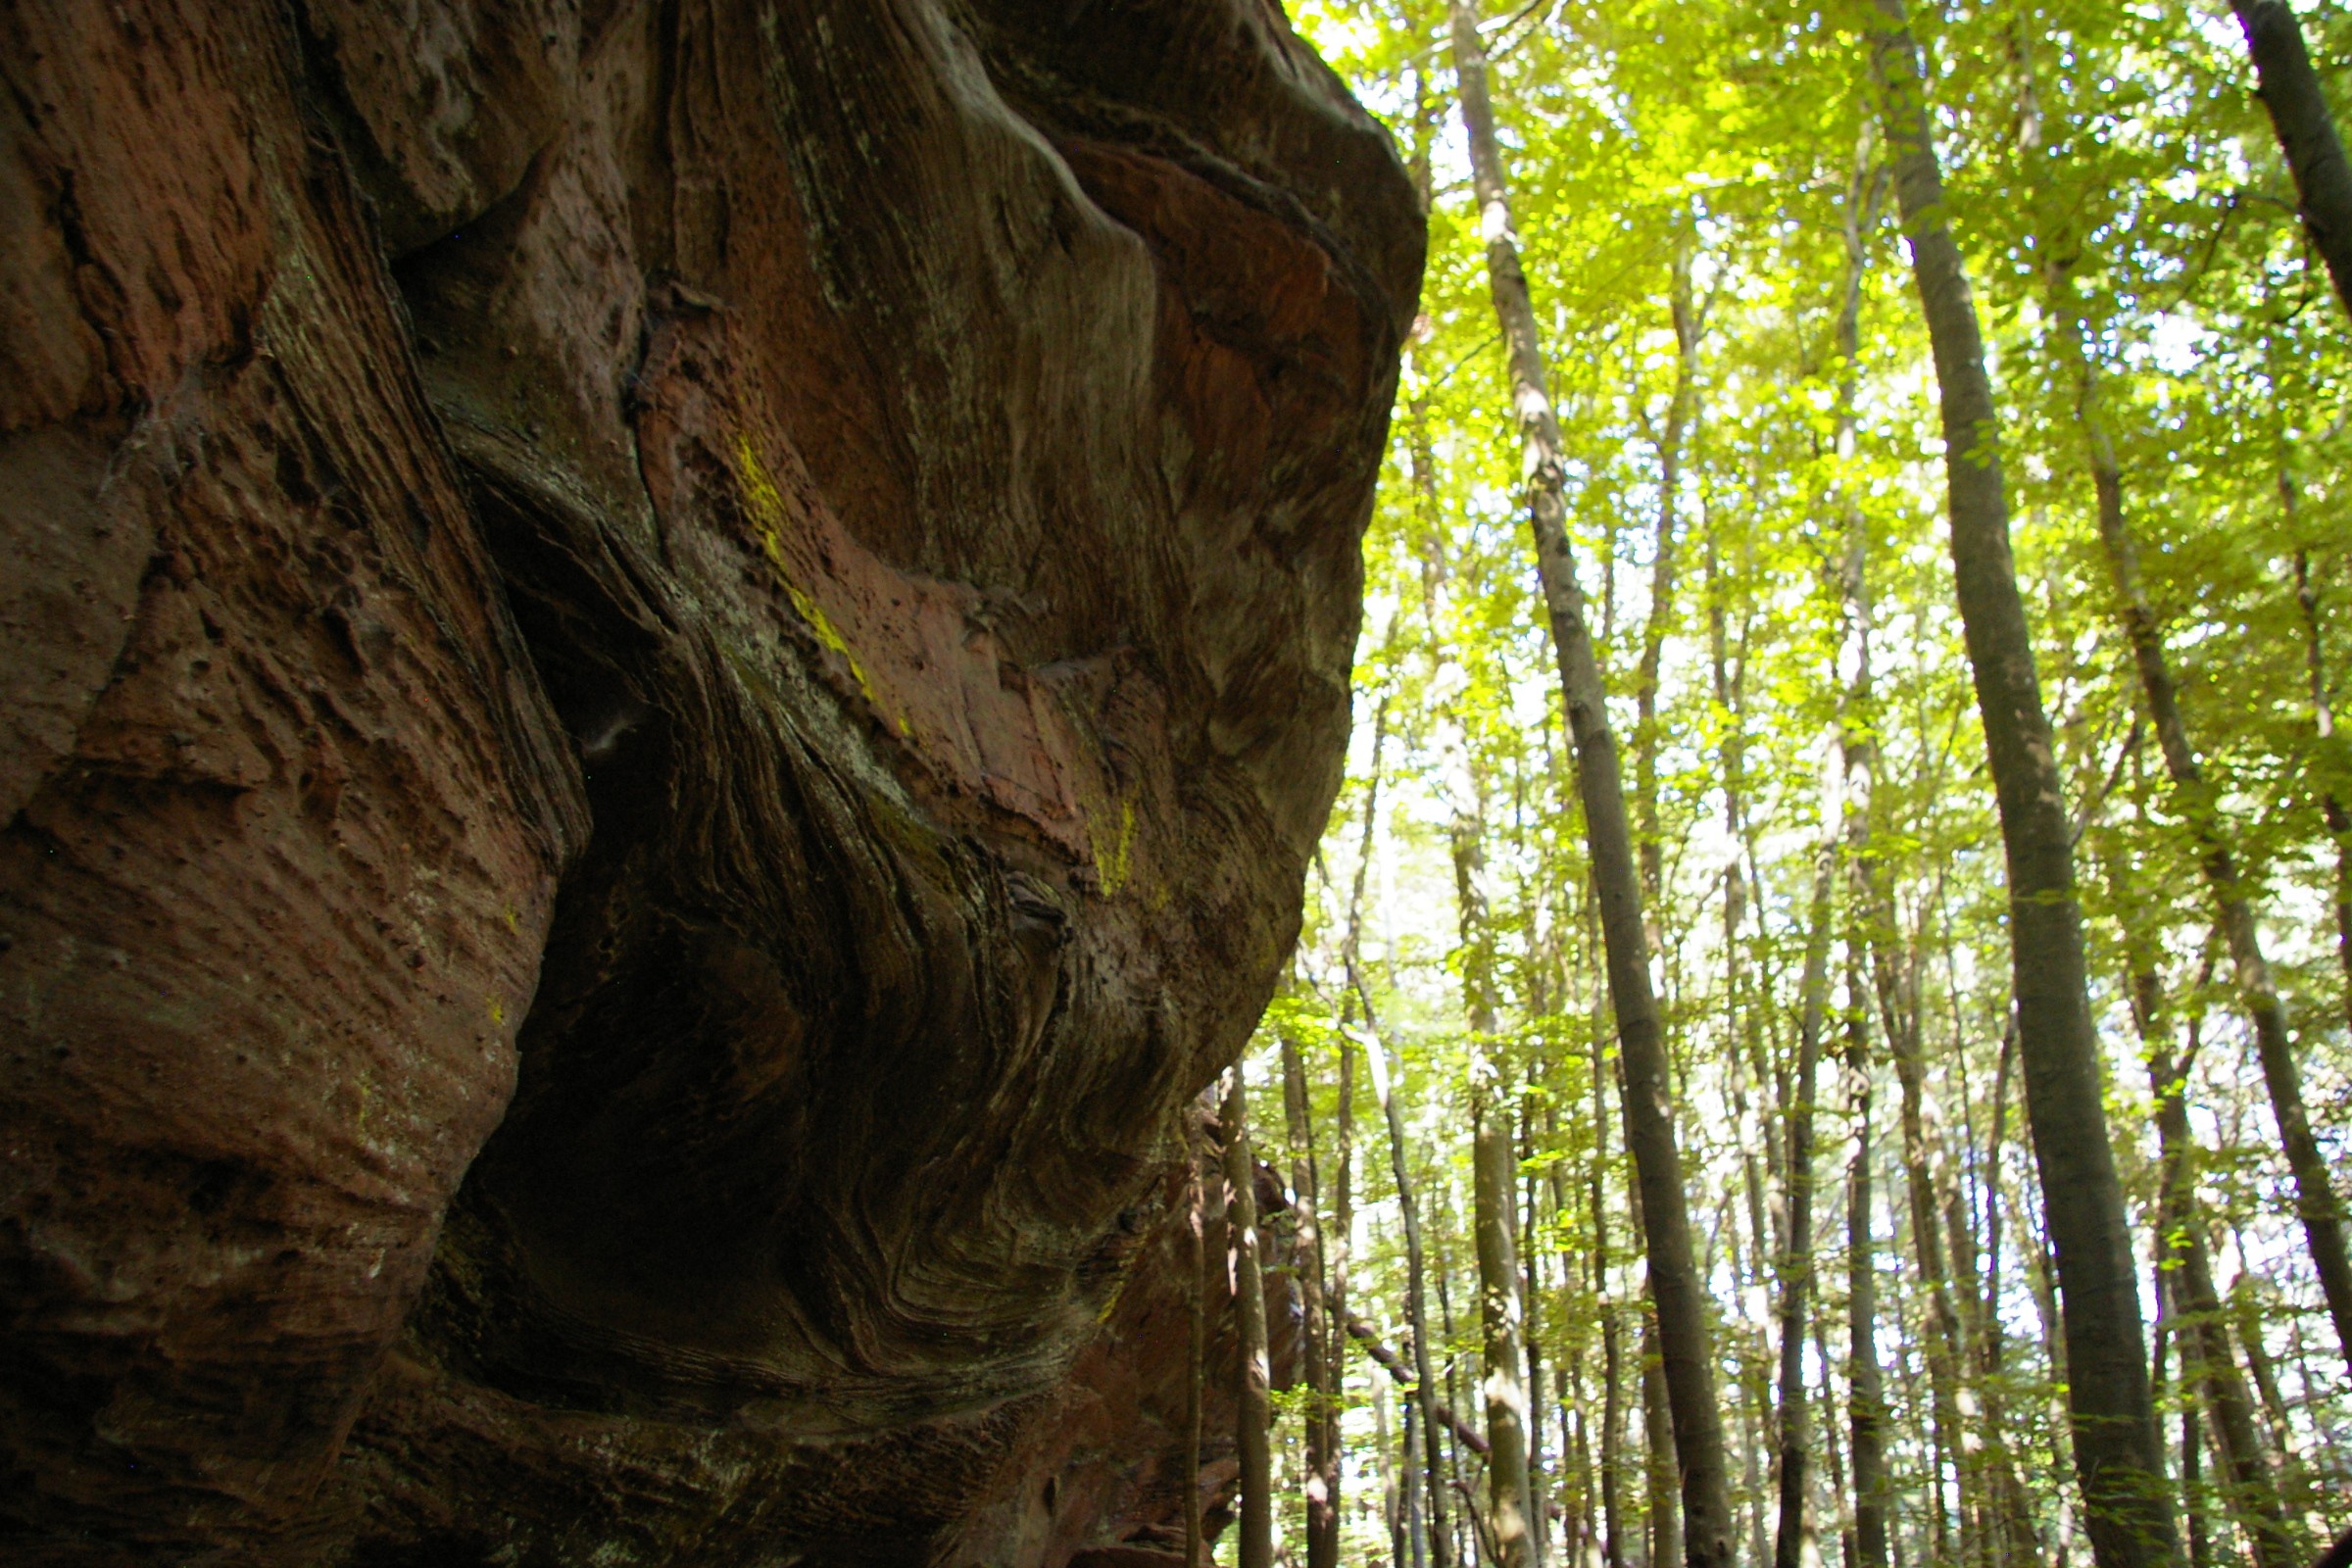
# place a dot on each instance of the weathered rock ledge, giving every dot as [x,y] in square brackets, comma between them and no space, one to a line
[666,678]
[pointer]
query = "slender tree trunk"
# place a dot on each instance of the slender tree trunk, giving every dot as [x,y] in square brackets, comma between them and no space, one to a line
[1493,1170]
[1942,1341]
[1321,1427]
[1337,1248]
[2192,1483]
[1793,1546]
[1391,1504]
[2247,1320]
[1840,1495]
[2117,1453]
[1196,1353]
[1612,1325]
[1675,1284]
[1416,1524]
[1531,1295]
[2014,1532]
[2321,1210]
[2290,90]
[1790,1549]
[2323,719]
[1256,1405]
[1447,1472]
[1680,409]
[1664,1516]
[1425,1389]
[2202,1330]
[1866,1400]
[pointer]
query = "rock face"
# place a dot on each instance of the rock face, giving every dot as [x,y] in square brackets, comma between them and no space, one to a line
[666,671]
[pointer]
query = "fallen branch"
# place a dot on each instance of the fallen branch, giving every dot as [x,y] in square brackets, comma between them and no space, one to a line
[1395,1368]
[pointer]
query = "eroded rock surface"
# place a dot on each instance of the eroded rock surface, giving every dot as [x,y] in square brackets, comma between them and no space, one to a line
[665,676]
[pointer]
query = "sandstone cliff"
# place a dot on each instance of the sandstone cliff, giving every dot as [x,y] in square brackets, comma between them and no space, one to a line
[666,670]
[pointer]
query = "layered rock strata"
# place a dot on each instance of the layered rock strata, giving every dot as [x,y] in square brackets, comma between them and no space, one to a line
[666,671]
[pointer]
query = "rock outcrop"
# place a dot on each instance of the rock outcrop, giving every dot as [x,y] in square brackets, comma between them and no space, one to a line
[666,678]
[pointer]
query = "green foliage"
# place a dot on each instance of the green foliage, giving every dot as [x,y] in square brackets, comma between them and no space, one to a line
[2105,162]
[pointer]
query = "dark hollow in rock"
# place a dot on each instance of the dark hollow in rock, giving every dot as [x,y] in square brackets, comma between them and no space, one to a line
[667,675]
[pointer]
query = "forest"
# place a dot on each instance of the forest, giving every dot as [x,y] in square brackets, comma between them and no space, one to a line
[1820,1032]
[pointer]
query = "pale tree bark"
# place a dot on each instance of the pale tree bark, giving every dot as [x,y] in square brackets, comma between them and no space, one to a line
[1256,1402]
[2290,89]
[2118,1457]
[1685,1341]
[1321,1424]
[2321,1211]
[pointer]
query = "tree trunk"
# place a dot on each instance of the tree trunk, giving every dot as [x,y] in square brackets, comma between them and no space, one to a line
[1465,1528]
[1321,1424]
[2290,90]
[1660,1468]
[1612,1327]
[1841,1497]
[1796,1264]
[2202,1331]
[1425,1388]
[1493,1170]
[1680,409]
[2323,719]
[1792,1546]
[2117,1453]
[1866,1399]
[2193,1484]
[1675,1284]
[1410,1468]
[1531,1297]
[1254,1395]
[1196,1353]
[2014,1532]
[2321,1210]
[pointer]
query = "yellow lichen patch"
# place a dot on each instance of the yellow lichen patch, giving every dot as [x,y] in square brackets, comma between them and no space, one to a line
[1111,860]
[498,1011]
[766,504]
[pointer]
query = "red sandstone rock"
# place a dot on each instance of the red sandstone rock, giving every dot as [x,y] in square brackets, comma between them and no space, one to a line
[666,678]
